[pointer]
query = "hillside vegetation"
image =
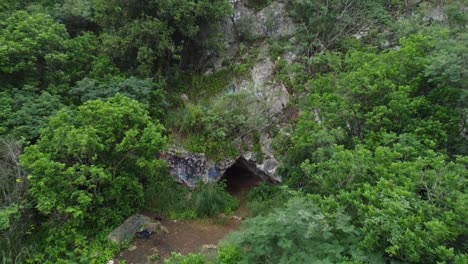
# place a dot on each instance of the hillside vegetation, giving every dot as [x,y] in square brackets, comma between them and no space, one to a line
[373,158]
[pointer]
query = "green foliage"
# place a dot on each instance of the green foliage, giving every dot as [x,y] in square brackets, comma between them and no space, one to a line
[447,63]
[375,134]
[381,134]
[300,224]
[89,165]
[218,128]
[380,94]
[169,198]
[228,254]
[5,215]
[31,44]
[144,91]
[68,244]
[76,15]
[38,52]
[212,199]
[200,87]
[177,258]
[84,58]
[24,113]
[265,198]
[414,202]
[147,36]
[325,23]
[92,165]
[15,210]
[457,18]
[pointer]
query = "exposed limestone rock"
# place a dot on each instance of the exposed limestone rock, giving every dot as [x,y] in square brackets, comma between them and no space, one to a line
[151,226]
[132,248]
[437,13]
[263,84]
[246,23]
[272,21]
[193,168]
[126,231]
[269,22]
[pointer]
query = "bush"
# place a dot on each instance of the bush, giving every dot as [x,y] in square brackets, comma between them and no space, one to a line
[212,199]
[300,232]
[167,197]
[228,254]
[266,197]
[177,258]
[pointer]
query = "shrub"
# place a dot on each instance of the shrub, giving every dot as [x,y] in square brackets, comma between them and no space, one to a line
[300,232]
[266,197]
[177,258]
[228,254]
[165,196]
[212,199]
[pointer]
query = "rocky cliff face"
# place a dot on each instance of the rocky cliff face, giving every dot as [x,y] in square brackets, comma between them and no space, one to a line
[191,168]
[270,22]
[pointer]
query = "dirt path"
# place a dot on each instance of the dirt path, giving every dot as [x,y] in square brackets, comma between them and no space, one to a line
[183,236]
[190,236]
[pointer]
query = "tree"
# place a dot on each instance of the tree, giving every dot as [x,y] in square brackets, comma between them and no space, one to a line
[145,37]
[24,112]
[375,136]
[15,210]
[30,44]
[89,164]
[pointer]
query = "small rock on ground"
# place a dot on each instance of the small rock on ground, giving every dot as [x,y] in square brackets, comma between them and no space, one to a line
[132,248]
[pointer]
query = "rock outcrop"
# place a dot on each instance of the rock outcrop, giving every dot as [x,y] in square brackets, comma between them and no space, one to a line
[246,23]
[135,223]
[270,22]
[193,168]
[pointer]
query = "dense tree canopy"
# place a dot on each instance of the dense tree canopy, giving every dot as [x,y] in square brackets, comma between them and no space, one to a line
[372,143]
[88,158]
[89,165]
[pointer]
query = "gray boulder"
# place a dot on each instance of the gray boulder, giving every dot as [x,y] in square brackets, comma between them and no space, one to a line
[135,223]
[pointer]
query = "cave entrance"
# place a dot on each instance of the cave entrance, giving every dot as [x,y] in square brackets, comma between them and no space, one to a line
[240,179]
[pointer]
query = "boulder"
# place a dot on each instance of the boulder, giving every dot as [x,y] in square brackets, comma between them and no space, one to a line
[135,223]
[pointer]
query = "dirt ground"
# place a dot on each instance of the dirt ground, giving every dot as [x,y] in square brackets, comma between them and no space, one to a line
[190,236]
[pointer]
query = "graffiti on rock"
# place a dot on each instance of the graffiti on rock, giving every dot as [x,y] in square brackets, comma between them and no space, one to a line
[213,173]
[189,169]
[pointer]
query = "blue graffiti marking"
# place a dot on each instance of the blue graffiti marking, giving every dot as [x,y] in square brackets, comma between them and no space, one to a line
[213,173]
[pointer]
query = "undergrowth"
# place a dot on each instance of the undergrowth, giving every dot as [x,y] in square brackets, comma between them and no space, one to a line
[171,199]
[219,127]
[212,199]
[199,87]
[227,254]
[266,197]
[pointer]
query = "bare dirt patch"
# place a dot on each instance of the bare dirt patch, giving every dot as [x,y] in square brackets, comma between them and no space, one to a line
[182,236]
[190,236]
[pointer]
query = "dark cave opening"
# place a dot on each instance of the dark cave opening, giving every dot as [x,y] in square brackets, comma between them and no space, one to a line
[239,179]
